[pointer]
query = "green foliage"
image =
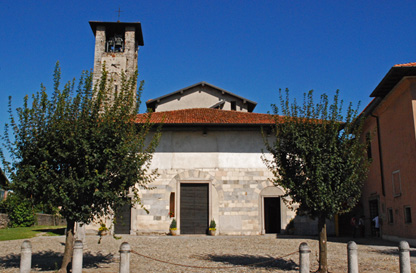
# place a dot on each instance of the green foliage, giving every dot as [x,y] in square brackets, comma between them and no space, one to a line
[173,224]
[80,148]
[212,225]
[20,211]
[318,157]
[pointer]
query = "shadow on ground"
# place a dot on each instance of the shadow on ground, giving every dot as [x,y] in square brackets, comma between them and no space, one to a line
[380,245]
[374,241]
[395,252]
[57,231]
[254,261]
[51,260]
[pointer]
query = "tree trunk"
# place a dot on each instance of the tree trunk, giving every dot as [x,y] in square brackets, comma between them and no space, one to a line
[69,245]
[323,261]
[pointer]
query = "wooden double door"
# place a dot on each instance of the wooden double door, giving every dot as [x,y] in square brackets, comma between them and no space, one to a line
[194,208]
[123,220]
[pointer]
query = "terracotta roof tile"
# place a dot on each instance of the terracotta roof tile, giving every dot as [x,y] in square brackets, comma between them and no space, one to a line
[206,116]
[406,65]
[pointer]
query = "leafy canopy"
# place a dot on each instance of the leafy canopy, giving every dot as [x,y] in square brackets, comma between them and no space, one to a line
[80,148]
[317,155]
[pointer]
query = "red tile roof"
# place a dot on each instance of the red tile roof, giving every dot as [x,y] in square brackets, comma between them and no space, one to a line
[206,116]
[408,64]
[395,74]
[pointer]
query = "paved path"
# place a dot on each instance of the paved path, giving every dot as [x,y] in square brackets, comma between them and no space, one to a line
[231,253]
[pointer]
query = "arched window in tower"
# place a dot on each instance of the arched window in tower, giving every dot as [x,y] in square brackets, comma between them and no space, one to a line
[115,44]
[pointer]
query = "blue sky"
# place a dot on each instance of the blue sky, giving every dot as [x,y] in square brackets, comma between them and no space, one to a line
[250,48]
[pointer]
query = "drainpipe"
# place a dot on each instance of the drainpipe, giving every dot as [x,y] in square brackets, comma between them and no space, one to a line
[380,154]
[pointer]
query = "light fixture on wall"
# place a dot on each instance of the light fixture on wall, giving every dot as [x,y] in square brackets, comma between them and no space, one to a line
[204,131]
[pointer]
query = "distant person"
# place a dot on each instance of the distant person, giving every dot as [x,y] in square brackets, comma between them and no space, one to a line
[377,225]
[361,226]
[354,226]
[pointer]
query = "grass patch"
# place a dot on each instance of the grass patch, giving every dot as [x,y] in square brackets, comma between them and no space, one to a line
[30,232]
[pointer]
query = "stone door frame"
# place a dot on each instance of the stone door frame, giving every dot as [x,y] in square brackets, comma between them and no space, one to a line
[178,199]
[276,192]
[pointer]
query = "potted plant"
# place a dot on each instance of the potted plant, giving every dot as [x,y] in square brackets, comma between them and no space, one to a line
[212,228]
[173,229]
[102,230]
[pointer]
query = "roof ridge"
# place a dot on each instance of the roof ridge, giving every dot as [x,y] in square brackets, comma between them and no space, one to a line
[207,116]
[208,109]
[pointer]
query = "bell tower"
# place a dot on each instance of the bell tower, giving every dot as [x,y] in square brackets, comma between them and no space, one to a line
[116,46]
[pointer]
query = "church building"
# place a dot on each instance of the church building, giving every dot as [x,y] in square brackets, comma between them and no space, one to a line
[209,158]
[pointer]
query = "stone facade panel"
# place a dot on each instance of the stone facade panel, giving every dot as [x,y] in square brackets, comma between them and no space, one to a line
[237,210]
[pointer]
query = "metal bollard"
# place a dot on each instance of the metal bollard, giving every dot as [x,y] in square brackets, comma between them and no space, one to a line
[26,257]
[77,257]
[404,254]
[125,258]
[352,257]
[304,263]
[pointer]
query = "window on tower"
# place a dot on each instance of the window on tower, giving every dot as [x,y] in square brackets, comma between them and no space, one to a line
[115,44]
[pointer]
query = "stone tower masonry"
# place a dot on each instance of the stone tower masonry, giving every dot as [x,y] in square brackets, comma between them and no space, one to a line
[116,46]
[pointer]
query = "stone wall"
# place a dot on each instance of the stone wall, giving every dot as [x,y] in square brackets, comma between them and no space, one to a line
[49,220]
[235,201]
[307,226]
[41,220]
[4,220]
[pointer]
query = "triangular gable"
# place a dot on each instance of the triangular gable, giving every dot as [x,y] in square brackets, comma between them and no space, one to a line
[201,95]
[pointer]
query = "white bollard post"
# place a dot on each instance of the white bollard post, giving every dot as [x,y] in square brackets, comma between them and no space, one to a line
[26,257]
[77,257]
[80,233]
[125,258]
[404,254]
[352,257]
[304,263]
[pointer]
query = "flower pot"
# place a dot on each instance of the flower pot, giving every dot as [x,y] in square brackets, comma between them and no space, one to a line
[173,232]
[213,232]
[103,232]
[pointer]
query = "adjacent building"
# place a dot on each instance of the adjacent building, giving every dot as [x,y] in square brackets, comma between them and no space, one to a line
[390,123]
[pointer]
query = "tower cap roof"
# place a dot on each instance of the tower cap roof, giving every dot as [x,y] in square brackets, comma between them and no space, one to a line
[116,27]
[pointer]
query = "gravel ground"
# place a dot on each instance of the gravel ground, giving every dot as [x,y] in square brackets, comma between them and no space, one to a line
[231,253]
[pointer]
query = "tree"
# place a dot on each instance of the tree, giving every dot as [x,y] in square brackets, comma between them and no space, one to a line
[318,158]
[20,211]
[80,149]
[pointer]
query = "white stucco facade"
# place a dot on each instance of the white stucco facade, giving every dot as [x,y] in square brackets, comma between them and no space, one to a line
[230,162]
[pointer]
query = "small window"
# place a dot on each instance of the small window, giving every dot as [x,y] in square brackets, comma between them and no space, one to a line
[407,215]
[397,187]
[233,105]
[172,205]
[368,143]
[390,212]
